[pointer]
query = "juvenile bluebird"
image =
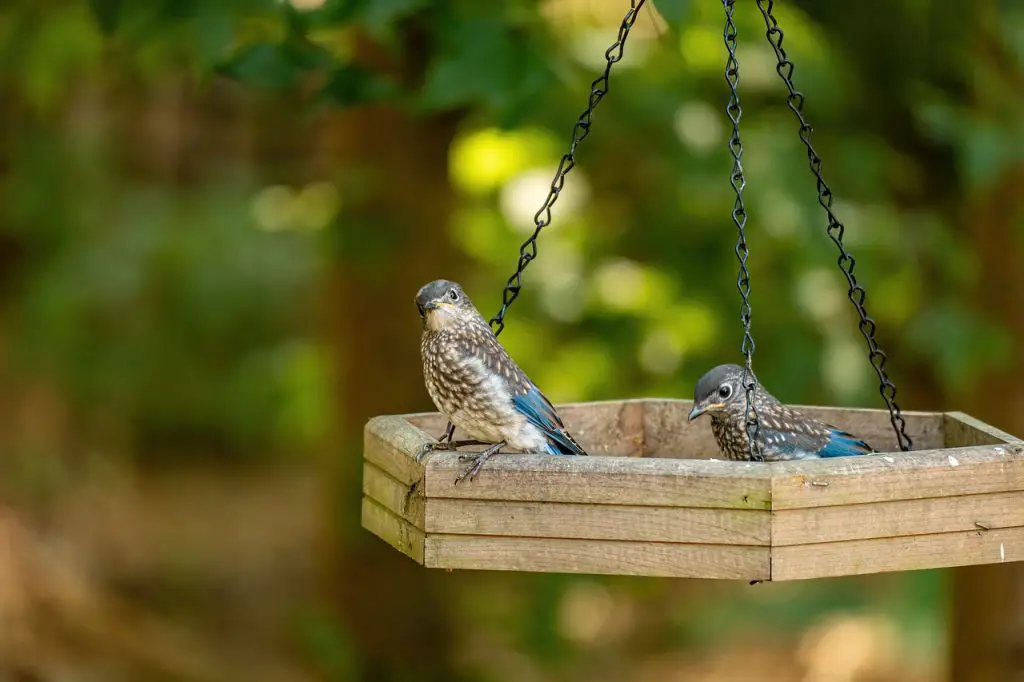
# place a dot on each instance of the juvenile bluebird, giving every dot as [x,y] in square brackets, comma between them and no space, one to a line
[783,432]
[473,381]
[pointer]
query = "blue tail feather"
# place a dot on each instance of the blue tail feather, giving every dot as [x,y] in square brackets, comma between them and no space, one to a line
[843,444]
[540,412]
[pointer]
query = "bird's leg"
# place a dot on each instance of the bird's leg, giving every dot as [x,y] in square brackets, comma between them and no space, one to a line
[477,460]
[442,443]
[445,442]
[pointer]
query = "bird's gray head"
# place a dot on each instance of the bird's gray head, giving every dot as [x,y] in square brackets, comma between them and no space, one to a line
[443,303]
[720,390]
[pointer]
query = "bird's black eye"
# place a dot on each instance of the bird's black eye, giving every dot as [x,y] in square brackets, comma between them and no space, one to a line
[453,295]
[724,391]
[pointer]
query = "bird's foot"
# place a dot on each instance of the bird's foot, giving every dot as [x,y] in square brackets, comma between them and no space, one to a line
[430,447]
[477,459]
[444,445]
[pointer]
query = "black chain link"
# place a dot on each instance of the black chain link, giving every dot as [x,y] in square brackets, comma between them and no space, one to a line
[528,251]
[857,295]
[598,89]
[739,217]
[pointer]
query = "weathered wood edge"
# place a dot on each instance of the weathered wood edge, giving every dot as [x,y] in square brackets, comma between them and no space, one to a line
[961,429]
[393,530]
[899,476]
[605,428]
[607,557]
[645,419]
[897,518]
[604,480]
[686,403]
[400,499]
[730,527]
[388,443]
[880,555]
[704,526]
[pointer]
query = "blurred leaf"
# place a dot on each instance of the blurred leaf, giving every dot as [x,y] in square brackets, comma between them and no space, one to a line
[378,16]
[263,66]
[274,66]
[673,11]
[214,31]
[489,63]
[329,646]
[986,151]
[960,342]
[106,13]
[350,85]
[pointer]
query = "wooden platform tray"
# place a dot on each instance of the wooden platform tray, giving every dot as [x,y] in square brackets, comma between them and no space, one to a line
[654,503]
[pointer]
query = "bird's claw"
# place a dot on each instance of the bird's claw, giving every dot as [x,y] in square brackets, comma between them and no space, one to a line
[473,469]
[432,446]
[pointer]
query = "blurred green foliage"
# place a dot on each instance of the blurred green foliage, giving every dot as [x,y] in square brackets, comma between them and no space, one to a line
[168,280]
[650,278]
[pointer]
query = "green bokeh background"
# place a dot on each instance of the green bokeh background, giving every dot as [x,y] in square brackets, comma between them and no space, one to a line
[214,219]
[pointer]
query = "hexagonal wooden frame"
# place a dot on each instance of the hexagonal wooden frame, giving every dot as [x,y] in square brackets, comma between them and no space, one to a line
[653,503]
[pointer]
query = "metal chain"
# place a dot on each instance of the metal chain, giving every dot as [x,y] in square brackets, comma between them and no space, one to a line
[528,251]
[739,217]
[598,89]
[846,262]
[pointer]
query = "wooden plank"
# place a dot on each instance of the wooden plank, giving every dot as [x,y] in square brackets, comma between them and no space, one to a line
[655,427]
[607,557]
[393,530]
[401,500]
[604,480]
[859,557]
[389,442]
[961,429]
[874,426]
[607,428]
[901,517]
[599,522]
[900,476]
[668,434]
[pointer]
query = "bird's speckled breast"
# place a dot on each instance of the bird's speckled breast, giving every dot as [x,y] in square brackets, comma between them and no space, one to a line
[460,386]
[731,440]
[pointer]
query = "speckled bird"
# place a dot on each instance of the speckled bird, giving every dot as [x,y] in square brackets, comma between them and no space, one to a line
[473,381]
[783,433]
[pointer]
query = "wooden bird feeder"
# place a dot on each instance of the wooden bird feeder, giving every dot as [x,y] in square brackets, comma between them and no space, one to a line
[652,503]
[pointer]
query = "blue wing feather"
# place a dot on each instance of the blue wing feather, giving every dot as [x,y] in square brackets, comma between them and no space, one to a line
[786,445]
[541,413]
[843,444]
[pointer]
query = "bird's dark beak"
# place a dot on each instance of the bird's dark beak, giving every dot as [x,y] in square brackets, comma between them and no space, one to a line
[432,305]
[698,410]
